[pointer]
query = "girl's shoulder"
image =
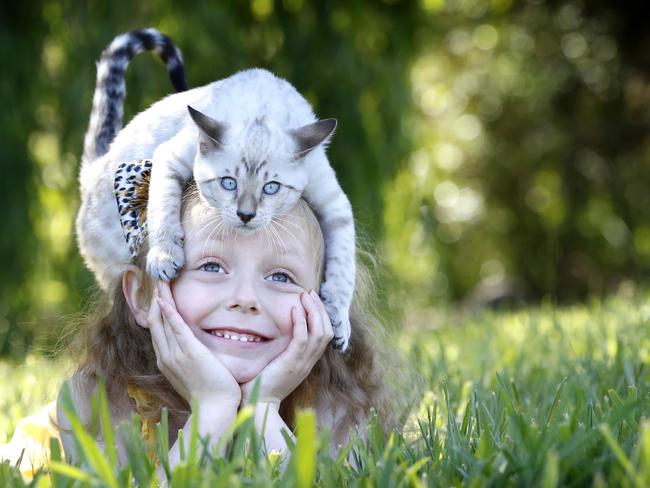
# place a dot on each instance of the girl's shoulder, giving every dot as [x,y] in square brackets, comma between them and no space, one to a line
[80,390]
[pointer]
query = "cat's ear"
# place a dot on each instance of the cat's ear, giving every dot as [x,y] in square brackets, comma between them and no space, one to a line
[311,136]
[212,130]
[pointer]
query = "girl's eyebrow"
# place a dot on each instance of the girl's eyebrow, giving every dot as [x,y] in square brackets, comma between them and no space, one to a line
[292,262]
[214,245]
[291,250]
[288,249]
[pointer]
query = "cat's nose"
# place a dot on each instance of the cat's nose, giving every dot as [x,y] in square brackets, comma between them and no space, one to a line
[245,216]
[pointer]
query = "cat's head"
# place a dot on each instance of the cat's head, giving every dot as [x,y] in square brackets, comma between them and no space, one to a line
[257,172]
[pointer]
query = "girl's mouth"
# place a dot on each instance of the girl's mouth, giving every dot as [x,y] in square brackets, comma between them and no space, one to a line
[236,336]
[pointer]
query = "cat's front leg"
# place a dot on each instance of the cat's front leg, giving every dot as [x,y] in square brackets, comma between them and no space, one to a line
[337,223]
[172,163]
[340,270]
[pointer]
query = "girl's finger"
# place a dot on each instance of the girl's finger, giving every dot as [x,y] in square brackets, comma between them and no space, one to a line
[165,291]
[177,325]
[300,338]
[328,331]
[152,316]
[156,326]
[325,318]
[170,337]
[179,331]
[158,338]
[319,303]
[314,316]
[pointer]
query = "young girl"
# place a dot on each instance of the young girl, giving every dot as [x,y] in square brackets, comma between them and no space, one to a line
[245,306]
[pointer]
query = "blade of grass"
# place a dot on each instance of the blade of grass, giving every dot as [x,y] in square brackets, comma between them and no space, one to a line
[107,426]
[551,474]
[619,453]
[304,455]
[71,472]
[194,433]
[55,455]
[556,400]
[644,452]
[181,446]
[89,447]
[162,444]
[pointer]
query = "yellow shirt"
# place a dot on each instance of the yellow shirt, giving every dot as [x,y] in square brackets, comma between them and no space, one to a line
[32,435]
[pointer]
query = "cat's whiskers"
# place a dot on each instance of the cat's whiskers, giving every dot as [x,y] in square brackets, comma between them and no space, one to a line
[197,228]
[200,227]
[290,221]
[285,229]
[267,238]
[278,238]
[208,218]
[217,229]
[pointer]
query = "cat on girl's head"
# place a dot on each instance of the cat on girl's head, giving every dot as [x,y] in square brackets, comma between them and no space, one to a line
[252,144]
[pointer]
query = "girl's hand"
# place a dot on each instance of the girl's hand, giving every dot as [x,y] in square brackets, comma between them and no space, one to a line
[189,366]
[312,332]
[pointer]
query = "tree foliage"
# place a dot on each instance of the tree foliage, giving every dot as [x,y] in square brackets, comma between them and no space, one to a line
[489,147]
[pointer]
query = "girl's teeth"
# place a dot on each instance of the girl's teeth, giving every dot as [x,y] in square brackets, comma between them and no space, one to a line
[235,337]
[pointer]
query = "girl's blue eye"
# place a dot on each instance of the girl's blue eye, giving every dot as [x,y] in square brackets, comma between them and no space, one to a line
[281,278]
[228,183]
[271,188]
[212,267]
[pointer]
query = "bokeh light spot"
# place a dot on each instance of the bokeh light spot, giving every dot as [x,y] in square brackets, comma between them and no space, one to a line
[574,45]
[468,127]
[485,37]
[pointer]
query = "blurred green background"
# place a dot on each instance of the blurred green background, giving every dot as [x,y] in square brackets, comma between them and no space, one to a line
[495,151]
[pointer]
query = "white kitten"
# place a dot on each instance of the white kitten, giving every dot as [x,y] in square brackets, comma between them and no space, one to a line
[252,144]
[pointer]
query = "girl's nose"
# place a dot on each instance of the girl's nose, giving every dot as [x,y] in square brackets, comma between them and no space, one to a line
[244,298]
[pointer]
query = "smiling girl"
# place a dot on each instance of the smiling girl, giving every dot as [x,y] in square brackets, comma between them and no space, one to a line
[244,307]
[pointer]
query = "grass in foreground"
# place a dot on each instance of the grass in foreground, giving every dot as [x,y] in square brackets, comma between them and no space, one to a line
[542,397]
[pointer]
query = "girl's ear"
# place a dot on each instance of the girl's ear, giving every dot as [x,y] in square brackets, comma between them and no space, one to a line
[134,292]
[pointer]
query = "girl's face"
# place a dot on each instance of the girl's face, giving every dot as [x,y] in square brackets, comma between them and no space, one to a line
[236,291]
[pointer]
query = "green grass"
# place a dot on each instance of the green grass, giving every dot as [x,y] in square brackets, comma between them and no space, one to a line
[541,397]
[26,387]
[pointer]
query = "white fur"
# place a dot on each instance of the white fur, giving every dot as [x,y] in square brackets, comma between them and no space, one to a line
[258,109]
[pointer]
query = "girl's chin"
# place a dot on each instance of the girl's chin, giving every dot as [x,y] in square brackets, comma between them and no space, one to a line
[243,375]
[243,379]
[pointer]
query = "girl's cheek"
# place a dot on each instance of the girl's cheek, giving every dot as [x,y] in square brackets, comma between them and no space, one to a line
[192,294]
[278,306]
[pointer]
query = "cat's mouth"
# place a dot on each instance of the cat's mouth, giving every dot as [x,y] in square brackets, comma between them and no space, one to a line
[246,228]
[249,227]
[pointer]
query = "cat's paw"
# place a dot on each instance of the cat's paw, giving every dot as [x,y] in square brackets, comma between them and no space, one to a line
[342,330]
[340,319]
[164,262]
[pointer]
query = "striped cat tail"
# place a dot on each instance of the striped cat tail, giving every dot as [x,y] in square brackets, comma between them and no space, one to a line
[110,89]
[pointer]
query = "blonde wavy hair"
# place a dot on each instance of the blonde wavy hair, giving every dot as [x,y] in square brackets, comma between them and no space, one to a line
[117,350]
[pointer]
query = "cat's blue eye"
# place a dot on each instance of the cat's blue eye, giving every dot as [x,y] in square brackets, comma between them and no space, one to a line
[271,188]
[228,183]
[212,267]
[279,277]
